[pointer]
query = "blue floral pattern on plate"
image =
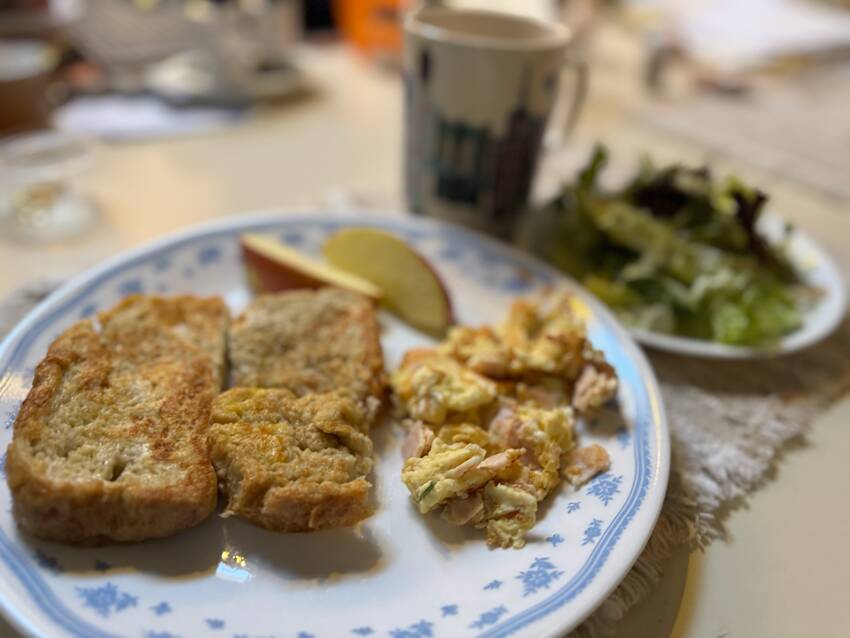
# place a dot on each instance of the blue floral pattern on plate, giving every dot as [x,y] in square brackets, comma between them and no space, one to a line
[106,599]
[490,617]
[421,629]
[592,532]
[539,575]
[132,589]
[605,487]
[555,540]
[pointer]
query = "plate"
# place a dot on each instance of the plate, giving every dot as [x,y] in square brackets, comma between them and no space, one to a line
[816,268]
[400,575]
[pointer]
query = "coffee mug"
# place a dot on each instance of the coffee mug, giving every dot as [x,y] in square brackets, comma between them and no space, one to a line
[479,89]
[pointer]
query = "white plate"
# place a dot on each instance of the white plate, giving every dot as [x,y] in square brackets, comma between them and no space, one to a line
[817,269]
[402,575]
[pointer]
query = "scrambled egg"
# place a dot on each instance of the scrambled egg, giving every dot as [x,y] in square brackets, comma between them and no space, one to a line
[546,335]
[538,336]
[465,433]
[450,470]
[459,476]
[491,414]
[542,344]
[510,512]
[481,350]
[544,434]
[435,388]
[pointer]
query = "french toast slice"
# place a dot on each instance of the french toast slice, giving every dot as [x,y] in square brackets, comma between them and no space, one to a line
[309,341]
[110,443]
[199,321]
[289,463]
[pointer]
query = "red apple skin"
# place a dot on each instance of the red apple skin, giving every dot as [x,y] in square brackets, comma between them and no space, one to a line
[265,274]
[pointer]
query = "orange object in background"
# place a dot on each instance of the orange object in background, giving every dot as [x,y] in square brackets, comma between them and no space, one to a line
[373,26]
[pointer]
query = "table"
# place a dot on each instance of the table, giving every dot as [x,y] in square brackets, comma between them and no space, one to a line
[284,157]
[784,570]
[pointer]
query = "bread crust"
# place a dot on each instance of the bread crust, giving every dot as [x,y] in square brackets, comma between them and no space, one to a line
[309,507]
[110,443]
[97,513]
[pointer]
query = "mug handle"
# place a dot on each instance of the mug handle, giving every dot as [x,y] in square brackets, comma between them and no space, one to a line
[579,67]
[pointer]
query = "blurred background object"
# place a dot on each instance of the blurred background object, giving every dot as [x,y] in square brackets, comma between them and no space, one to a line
[191,50]
[41,194]
[735,36]
[765,82]
[25,70]
[211,60]
[149,61]
[139,69]
[373,26]
[29,18]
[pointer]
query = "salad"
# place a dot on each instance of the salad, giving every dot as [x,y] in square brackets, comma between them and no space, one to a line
[676,250]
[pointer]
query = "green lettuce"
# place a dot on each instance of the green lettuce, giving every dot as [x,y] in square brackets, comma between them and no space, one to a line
[676,250]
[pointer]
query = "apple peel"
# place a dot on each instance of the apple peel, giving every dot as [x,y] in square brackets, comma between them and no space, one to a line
[271,266]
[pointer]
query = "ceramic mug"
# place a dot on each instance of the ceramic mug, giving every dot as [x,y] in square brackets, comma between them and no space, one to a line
[479,89]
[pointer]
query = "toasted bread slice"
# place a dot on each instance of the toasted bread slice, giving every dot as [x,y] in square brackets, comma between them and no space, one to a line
[293,464]
[309,341]
[110,444]
[200,321]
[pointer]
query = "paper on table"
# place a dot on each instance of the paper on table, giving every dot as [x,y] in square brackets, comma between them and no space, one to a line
[121,117]
[737,35]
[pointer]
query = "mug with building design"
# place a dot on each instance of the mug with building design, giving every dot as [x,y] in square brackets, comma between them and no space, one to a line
[479,89]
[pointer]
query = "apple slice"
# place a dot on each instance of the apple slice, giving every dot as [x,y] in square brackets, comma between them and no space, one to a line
[271,266]
[412,289]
